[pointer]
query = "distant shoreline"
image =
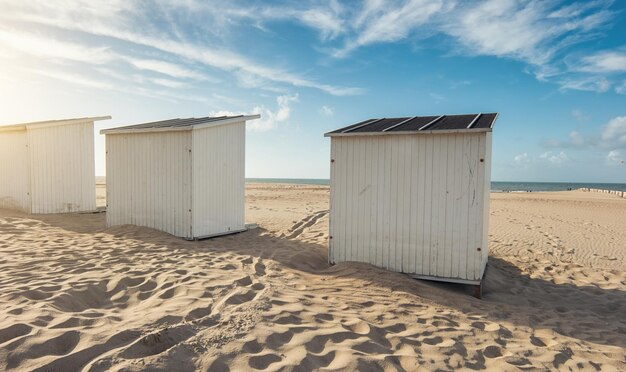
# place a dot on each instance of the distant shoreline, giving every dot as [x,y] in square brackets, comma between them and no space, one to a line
[496,186]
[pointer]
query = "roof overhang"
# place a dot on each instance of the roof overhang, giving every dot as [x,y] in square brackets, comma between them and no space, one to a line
[51,123]
[214,123]
[413,132]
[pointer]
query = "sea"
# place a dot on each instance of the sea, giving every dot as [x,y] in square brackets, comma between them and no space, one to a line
[496,186]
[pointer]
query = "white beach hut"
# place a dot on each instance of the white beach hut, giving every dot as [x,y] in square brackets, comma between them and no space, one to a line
[182,176]
[48,166]
[412,195]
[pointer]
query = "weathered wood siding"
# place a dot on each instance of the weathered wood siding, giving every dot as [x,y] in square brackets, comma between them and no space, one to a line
[14,171]
[416,204]
[189,183]
[218,179]
[149,181]
[62,168]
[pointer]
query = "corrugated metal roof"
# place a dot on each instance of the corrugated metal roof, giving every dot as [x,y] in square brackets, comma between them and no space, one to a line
[468,122]
[178,124]
[22,126]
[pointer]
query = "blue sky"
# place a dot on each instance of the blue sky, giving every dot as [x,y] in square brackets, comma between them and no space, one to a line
[554,70]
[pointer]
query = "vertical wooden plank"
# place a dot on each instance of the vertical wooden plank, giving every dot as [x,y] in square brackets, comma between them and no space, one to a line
[487,197]
[367,233]
[450,205]
[354,226]
[421,203]
[473,207]
[428,205]
[405,203]
[482,217]
[464,206]
[336,214]
[373,216]
[387,202]
[333,200]
[396,216]
[349,181]
[458,202]
[344,202]
[441,205]
[393,205]
[413,247]
[362,199]
[380,205]
[435,193]
[480,194]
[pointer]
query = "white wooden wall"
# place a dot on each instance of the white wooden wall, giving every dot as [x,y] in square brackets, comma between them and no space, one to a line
[14,173]
[149,181]
[416,204]
[62,169]
[218,175]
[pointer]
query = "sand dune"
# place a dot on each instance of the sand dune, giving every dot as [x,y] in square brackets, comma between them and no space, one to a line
[75,295]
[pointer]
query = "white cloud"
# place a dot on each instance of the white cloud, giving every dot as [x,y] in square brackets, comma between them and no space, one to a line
[535,32]
[522,159]
[327,21]
[270,119]
[74,79]
[284,109]
[327,111]
[380,21]
[579,115]
[621,89]
[45,47]
[590,84]
[611,136]
[604,62]
[615,131]
[438,98]
[614,157]
[168,83]
[166,68]
[117,22]
[556,159]
[529,30]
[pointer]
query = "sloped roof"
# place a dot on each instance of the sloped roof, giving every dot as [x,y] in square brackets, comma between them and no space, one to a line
[179,124]
[420,124]
[51,123]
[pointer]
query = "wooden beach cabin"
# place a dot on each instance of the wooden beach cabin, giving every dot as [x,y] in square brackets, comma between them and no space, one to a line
[48,166]
[411,195]
[182,176]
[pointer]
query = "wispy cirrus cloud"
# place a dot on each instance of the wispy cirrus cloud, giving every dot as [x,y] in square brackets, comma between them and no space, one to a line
[168,68]
[117,22]
[611,61]
[531,31]
[381,21]
[39,45]
[611,136]
[73,78]
[538,33]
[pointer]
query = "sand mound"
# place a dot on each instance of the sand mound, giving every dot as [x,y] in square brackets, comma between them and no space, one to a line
[77,296]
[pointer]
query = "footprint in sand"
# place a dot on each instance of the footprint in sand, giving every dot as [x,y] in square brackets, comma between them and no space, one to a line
[157,342]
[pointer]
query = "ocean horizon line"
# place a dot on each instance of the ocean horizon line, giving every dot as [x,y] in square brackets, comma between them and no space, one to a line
[496,186]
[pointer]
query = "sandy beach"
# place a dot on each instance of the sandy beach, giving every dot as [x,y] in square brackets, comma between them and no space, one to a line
[75,295]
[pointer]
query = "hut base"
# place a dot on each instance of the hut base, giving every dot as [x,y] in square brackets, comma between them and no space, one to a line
[477,286]
[218,234]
